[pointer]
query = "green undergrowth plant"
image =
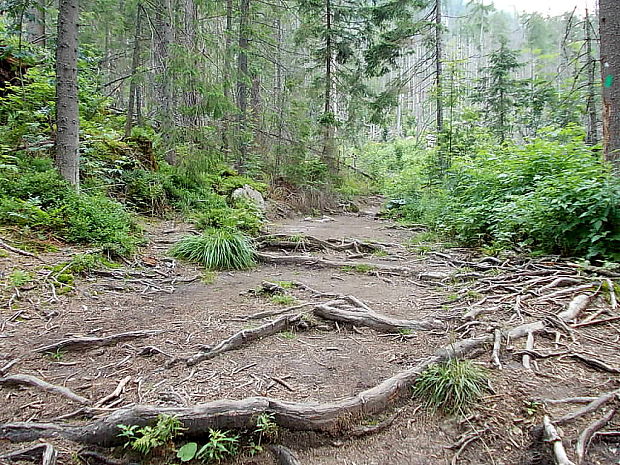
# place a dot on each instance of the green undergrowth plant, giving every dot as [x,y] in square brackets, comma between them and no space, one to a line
[217,249]
[144,439]
[452,387]
[551,195]
[283,299]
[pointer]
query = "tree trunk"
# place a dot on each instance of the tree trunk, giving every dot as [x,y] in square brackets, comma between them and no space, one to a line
[329,128]
[35,23]
[438,70]
[164,86]
[243,78]
[609,17]
[67,111]
[592,135]
[135,63]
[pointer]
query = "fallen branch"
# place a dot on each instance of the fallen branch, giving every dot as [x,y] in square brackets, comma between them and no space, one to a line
[8,366]
[97,341]
[586,435]
[44,452]
[497,344]
[27,380]
[241,338]
[284,455]
[596,322]
[595,363]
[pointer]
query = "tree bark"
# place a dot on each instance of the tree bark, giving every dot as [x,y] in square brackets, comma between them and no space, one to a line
[243,78]
[35,23]
[609,18]
[135,63]
[592,134]
[329,128]
[67,111]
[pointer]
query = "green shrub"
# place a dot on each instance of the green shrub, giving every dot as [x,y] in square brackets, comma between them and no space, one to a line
[217,249]
[33,195]
[552,195]
[453,386]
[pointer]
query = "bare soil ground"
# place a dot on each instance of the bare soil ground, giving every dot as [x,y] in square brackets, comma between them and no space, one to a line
[329,361]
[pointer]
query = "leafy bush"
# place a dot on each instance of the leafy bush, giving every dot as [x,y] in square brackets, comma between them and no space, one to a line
[552,195]
[33,195]
[217,249]
[452,386]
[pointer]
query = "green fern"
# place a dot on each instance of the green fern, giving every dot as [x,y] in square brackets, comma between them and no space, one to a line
[217,249]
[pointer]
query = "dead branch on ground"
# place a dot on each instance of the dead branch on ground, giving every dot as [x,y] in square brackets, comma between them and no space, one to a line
[97,341]
[27,380]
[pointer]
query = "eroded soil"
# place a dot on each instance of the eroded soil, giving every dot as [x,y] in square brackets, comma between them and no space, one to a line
[194,309]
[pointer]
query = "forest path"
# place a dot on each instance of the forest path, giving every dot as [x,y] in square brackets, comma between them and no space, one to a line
[402,279]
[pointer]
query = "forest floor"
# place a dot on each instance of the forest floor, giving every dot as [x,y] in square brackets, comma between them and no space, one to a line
[188,312]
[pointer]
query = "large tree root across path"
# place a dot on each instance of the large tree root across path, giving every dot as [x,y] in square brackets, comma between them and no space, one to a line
[330,417]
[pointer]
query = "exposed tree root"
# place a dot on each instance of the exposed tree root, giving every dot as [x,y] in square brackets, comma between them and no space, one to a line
[284,455]
[43,452]
[27,380]
[303,260]
[591,407]
[285,241]
[96,341]
[241,338]
[17,251]
[586,435]
[371,319]
[331,417]
[90,457]
[552,436]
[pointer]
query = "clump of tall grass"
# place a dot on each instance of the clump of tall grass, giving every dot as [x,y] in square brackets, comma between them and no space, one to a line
[453,386]
[217,249]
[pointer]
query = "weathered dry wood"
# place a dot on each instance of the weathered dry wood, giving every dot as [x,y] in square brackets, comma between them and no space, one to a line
[575,307]
[117,392]
[284,455]
[568,400]
[27,380]
[371,319]
[497,344]
[552,436]
[8,366]
[44,452]
[586,435]
[591,407]
[529,345]
[364,430]
[597,322]
[285,241]
[240,339]
[97,341]
[303,260]
[334,417]
[596,363]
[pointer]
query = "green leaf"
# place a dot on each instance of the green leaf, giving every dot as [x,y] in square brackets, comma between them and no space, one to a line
[187,452]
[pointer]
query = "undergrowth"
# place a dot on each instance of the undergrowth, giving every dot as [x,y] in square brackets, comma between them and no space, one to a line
[452,387]
[217,249]
[551,195]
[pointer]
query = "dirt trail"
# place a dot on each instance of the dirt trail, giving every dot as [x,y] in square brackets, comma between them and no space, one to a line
[328,362]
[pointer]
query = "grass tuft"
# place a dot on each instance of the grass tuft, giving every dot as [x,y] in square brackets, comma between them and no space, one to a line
[217,249]
[452,387]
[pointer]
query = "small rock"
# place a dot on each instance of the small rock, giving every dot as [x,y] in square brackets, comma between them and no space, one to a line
[249,193]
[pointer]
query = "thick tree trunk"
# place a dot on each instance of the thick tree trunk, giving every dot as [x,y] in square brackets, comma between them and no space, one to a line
[592,134]
[609,17]
[163,88]
[135,63]
[35,23]
[329,128]
[243,79]
[67,111]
